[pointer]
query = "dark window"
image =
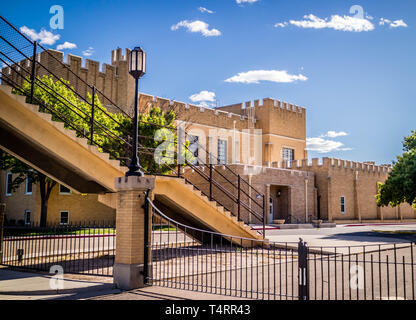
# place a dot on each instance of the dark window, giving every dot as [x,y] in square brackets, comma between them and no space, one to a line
[342,204]
[288,154]
[63,189]
[9,181]
[29,185]
[222,151]
[27,217]
[64,217]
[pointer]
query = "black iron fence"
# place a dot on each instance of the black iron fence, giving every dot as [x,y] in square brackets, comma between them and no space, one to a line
[188,258]
[81,248]
[370,272]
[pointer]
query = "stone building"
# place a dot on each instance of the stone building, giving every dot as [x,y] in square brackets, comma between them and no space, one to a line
[264,141]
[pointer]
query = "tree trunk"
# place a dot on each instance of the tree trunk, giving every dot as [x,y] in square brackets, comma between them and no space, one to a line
[45,192]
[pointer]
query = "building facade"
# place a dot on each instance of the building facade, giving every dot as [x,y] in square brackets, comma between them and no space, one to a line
[264,141]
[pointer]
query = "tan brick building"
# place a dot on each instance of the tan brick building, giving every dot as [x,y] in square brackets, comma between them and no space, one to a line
[264,141]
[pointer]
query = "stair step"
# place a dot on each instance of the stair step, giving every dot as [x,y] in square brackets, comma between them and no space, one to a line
[45,116]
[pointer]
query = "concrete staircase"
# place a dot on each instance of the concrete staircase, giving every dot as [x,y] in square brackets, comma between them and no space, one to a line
[47,146]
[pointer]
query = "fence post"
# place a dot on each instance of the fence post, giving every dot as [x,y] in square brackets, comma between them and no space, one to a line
[92,116]
[2,211]
[32,74]
[264,218]
[303,271]
[210,181]
[239,197]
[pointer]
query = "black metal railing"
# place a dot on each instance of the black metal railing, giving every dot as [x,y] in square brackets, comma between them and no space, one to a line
[370,272]
[23,68]
[189,258]
[80,248]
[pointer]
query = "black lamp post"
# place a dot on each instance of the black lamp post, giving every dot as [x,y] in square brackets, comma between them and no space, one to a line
[137,68]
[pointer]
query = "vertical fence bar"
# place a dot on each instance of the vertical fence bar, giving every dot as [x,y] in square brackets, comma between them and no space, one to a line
[2,210]
[92,116]
[303,286]
[32,73]
[413,275]
[239,197]
[264,218]
[210,181]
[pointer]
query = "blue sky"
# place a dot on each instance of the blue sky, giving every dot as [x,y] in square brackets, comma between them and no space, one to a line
[353,71]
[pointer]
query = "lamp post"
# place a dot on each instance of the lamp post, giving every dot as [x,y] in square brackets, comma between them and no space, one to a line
[137,68]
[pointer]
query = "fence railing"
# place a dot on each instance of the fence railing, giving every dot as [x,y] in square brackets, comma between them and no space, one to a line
[83,248]
[188,258]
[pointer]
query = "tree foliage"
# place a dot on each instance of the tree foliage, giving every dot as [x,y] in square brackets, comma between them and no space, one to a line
[400,187]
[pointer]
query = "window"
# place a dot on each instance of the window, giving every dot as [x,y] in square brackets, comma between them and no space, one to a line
[342,204]
[29,185]
[9,180]
[237,151]
[222,151]
[27,216]
[193,148]
[64,219]
[64,190]
[288,154]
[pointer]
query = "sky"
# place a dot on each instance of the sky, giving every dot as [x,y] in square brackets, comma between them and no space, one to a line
[349,63]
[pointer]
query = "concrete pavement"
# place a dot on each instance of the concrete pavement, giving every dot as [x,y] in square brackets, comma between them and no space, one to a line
[15,285]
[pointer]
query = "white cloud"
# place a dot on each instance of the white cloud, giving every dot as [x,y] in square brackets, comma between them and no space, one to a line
[66,45]
[205,10]
[398,23]
[336,22]
[383,21]
[44,36]
[321,145]
[88,52]
[392,24]
[203,96]
[334,134]
[197,26]
[281,24]
[245,1]
[254,76]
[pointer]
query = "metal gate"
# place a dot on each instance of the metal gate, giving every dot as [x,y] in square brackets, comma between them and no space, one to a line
[188,258]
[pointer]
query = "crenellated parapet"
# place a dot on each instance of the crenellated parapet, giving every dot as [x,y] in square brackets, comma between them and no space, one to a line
[333,164]
[194,113]
[112,79]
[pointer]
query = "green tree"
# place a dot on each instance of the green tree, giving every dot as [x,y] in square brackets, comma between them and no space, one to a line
[400,186]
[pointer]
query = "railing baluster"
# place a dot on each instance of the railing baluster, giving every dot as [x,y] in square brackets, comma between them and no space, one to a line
[92,116]
[33,73]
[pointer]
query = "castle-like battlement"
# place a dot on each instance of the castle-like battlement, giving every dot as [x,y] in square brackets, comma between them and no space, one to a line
[147,101]
[111,79]
[332,163]
[279,105]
